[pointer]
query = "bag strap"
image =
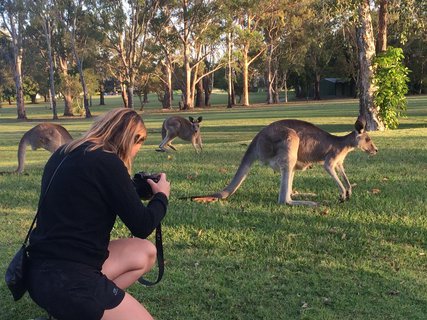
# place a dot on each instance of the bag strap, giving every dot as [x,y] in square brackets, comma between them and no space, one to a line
[41,201]
[160,259]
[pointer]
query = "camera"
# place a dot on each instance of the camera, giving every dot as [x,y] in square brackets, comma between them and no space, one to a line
[141,185]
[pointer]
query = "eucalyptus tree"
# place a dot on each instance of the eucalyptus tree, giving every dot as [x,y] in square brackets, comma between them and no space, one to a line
[273,25]
[249,38]
[75,18]
[287,38]
[197,26]
[42,17]
[165,49]
[125,26]
[366,47]
[13,14]
[320,51]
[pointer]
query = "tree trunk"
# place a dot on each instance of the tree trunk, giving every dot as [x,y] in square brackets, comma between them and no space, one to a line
[245,94]
[200,101]
[207,90]
[130,96]
[84,87]
[17,61]
[286,88]
[52,93]
[382,27]
[276,98]
[80,69]
[66,92]
[124,94]
[145,95]
[230,90]
[167,96]
[102,94]
[317,87]
[366,48]
[188,101]
[269,76]
[20,106]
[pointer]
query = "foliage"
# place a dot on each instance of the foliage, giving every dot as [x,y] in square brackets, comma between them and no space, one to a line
[391,78]
[31,87]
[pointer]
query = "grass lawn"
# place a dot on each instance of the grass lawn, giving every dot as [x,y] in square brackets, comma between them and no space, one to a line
[248,257]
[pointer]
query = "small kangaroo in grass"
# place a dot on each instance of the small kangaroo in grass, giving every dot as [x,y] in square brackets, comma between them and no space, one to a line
[289,145]
[177,126]
[49,136]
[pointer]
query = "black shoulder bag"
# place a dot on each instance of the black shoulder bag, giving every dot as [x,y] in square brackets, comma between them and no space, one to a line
[15,273]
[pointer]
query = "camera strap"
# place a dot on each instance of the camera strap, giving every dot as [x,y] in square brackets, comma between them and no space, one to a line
[160,259]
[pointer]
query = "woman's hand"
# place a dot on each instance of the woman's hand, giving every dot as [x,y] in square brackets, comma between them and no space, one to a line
[163,185]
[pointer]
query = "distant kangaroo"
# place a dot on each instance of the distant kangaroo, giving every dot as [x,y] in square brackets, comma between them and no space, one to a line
[49,136]
[177,126]
[289,145]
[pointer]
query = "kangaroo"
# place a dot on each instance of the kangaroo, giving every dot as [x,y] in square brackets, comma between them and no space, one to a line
[49,136]
[177,126]
[289,145]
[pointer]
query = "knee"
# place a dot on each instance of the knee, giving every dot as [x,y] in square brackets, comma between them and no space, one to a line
[145,252]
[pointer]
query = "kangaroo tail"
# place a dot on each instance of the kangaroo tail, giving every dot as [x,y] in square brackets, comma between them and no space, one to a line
[248,159]
[163,131]
[22,148]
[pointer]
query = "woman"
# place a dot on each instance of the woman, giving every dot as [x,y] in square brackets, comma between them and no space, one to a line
[76,272]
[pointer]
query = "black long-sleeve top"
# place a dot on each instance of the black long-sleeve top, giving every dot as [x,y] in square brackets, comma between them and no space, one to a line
[77,215]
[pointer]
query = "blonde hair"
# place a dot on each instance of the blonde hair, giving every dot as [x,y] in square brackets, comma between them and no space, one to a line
[116,131]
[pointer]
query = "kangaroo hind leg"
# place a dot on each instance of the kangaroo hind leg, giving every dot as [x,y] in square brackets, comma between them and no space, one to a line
[287,157]
[166,142]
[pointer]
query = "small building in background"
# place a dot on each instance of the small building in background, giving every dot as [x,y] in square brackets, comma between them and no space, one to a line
[337,88]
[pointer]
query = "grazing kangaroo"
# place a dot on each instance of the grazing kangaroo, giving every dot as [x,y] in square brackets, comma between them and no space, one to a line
[177,126]
[289,145]
[49,136]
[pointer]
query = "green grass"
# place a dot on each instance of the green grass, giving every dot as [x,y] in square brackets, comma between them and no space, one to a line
[248,257]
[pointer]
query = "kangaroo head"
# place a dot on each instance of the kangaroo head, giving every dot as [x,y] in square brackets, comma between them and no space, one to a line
[195,124]
[364,141]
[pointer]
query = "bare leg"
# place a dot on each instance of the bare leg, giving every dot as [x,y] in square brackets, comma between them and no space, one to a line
[128,260]
[129,308]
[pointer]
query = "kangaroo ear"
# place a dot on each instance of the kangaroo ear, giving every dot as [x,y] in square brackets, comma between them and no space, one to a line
[199,119]
[191,119]
[360,124]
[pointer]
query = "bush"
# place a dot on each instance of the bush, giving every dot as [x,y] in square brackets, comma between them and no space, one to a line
[391,79]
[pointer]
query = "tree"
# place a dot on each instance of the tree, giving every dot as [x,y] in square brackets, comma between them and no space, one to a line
[165,51]
[13,16]
[42,19]
[366,48]
[72,14]
[196,25]
[249,39]
[126,30]
[382,26]
[293,46]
